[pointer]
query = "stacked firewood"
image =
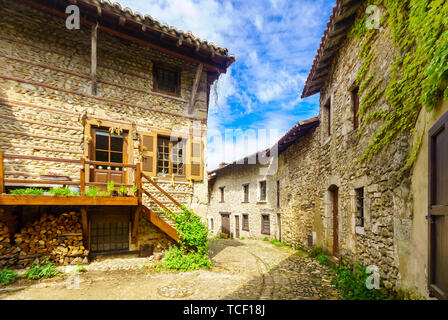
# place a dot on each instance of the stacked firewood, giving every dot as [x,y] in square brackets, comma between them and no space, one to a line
[57,237]
[5,241]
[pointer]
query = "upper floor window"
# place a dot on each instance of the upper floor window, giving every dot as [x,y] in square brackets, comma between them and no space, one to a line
[355,94]
[170,156]
[245,222]
[278,194]
[166,80]
[360,207]
[262,190]
[327,110]
[221,189]
[246,193]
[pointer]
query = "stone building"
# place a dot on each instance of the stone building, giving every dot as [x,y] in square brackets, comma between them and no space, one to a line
[123,90]
[257,198]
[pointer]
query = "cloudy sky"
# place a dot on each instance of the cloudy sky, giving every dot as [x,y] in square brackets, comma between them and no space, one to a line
[274,42]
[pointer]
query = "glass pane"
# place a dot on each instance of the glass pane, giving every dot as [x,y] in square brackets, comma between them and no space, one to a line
[116,157]
[116,143]
[102,156]
[102,140]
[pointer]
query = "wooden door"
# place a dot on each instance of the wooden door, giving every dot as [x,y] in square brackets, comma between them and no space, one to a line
[225,223]
[438,208]
[237,226]
[112,148]
[335,204]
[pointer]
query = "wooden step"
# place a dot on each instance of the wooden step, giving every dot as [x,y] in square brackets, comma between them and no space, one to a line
[160,223]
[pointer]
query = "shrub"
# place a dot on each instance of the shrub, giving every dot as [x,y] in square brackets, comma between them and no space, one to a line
[8,276]
[278,243]
[242,238]
[62,192]
[44,270]
[28,192]
[352,284]
[92,192]
[123,191]
[111,187]
[266,239]
[193,251]
[322,258]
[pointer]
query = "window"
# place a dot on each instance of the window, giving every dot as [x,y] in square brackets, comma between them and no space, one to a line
[246,193]
[327,109]
[212,224]
[355,94]
[166,80]
[245,222]
[170,156]
[359,207]
[109,147]
[221,189]
[265,224]
[262,190]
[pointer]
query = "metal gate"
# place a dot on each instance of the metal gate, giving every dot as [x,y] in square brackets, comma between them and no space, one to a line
[109,236]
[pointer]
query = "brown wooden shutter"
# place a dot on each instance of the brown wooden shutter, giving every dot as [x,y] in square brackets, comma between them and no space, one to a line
[196,166]
[149,153]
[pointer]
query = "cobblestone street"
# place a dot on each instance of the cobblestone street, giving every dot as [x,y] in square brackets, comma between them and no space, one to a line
[244,269]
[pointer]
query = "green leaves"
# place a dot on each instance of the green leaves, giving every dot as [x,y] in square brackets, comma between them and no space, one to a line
[44,270]
[8,276]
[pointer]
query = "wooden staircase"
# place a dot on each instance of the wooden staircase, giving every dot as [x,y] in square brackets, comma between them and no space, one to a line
[158,217]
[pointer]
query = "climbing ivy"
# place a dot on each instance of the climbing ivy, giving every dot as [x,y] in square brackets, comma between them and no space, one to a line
[419,75]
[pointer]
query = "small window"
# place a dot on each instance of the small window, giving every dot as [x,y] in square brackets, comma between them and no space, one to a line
[170,156]
[327,110]
[245,222]
[246,193]
[262,190]
[265,224]
[355,94]
[166,80]
[278,194]
[360,207]
[221,189]
[212,224]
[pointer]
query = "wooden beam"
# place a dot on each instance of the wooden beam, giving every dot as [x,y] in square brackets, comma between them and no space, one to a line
[82,178]
[85,227]
[135,224]
[194,89]
[13,200]
[2,177]
[94,59]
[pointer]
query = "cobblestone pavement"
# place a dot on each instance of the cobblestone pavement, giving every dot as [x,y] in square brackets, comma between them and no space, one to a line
[244,269]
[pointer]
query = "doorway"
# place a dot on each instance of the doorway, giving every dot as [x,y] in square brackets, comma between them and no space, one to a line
[108,147]
[438,208]
[237,226]
[334,199]
[225,223]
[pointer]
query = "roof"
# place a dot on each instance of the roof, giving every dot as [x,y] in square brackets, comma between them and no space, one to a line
[341,20]
[114,17]
[299,130]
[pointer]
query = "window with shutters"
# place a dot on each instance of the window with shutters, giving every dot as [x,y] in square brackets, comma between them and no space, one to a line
[166,80]
[245,222]
[245,193]
[170,156]
[265,224]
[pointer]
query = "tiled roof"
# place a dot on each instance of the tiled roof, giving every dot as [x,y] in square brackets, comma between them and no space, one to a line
[153,23]
[341,20]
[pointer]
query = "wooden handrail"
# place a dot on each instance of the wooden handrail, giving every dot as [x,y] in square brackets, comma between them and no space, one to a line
[111,164]
[71,183]
[157,201]
[37,158]
[105,184]
[161,190]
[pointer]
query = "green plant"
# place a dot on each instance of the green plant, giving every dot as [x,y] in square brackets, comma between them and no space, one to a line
[8,276]
[28,191]
[62,192]
[193,251]
[79,269]
[133,191]
[123,191]
[315,252]
[277,243]
[92,192]
[242,238]
[103,194]
[45,269]
[352,284]
[266,239]
[111,187]
[322,258]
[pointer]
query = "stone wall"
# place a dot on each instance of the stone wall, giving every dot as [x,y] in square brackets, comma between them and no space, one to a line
[45,95]
[233,179]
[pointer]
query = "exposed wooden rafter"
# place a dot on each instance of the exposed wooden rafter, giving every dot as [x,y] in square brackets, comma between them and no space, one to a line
[194,89]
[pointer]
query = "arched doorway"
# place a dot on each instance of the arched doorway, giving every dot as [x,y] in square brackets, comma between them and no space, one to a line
[334,198]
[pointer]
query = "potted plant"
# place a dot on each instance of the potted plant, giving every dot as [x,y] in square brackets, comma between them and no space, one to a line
[133,191]
[123,191]
[111,189]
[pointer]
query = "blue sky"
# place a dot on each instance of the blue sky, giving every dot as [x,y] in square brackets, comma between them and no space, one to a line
[274,42]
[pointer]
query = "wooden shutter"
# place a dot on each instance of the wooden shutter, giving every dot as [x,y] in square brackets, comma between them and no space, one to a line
[196,167]
[149,153]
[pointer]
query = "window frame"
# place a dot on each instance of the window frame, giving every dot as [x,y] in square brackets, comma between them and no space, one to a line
[360,205]
[245,193]
[177,86]
[263,230]
[245,220]
[170,156]
[221,190]
[260,183]
[327,108]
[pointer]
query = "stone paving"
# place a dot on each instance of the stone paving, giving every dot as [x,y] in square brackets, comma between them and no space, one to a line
[248,269]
